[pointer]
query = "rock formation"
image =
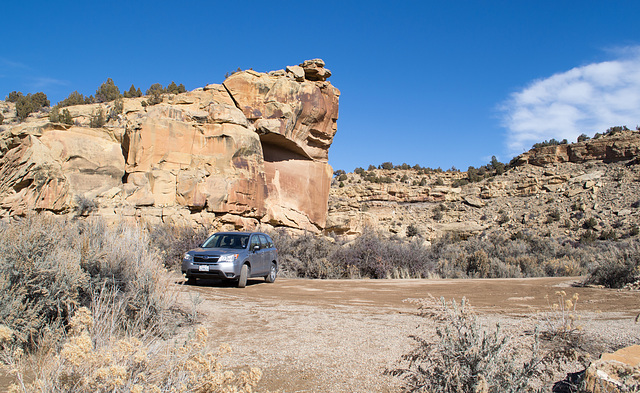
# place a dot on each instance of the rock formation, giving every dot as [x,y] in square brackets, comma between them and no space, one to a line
[250,151]
[617,146]
[548,190]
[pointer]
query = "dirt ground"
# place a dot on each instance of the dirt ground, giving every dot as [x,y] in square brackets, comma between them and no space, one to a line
[341,335]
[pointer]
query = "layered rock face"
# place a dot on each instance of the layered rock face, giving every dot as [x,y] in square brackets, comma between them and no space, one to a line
[622,145]
[252,150]
[545,192]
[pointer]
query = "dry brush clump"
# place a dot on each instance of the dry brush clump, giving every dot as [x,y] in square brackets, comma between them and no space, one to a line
[88,363]
[618,265]
[368,256]
[49,267]
[306,255]
[86,308]
[170,242]
[466,356]
[375,256]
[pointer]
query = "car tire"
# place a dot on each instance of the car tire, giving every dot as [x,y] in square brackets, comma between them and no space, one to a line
[244,274]
[273,273]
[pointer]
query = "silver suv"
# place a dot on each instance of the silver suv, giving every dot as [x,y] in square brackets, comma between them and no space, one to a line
[232,256]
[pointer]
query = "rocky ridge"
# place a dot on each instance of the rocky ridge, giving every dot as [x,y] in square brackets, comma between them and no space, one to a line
[547,191]
[251,151]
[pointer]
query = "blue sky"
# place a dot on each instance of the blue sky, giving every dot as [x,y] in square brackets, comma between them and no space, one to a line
[435,83]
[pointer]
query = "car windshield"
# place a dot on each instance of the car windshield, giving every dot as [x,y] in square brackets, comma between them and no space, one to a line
[226,240]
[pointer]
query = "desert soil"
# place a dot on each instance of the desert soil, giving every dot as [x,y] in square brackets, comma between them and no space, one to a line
[341,335]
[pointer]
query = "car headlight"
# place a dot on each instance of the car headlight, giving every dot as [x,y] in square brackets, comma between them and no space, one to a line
[228,258]
[187,257]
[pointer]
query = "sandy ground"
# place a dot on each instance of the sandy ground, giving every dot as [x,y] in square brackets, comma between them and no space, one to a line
[341,335]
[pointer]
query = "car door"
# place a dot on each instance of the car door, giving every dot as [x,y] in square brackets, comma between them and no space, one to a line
[256,256]
[268,251]
[265,250]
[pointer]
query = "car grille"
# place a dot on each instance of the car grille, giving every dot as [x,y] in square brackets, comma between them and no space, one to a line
[202,259]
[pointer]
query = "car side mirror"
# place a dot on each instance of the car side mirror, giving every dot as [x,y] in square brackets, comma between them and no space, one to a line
[256,248]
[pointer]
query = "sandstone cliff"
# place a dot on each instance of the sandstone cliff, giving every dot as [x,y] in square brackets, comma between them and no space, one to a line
[250,151]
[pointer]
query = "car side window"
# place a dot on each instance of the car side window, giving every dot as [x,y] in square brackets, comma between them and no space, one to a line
[263,242]
[269,241]
[255,241]
[244,240]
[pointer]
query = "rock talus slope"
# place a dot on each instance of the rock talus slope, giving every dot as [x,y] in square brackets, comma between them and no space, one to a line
[250,151]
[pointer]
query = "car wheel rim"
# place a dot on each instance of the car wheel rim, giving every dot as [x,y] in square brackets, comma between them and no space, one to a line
[273,272]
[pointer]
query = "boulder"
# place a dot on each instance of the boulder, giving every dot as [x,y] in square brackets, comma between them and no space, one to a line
[314,70]
[138,190]
[473,201]
[297,72]
[614,372]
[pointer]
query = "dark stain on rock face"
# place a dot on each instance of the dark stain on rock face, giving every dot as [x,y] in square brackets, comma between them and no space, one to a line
[240,163]
[277,114]
[252,113]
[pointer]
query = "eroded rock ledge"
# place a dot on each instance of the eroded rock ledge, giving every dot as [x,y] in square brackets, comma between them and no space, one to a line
[250,151]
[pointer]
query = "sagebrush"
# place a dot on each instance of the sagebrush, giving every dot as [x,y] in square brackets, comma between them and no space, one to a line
[49,267]
[466,356]
[372,255]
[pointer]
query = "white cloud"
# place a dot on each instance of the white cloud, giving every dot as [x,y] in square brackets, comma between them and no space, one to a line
[8,63]
[44,82]
[586,99]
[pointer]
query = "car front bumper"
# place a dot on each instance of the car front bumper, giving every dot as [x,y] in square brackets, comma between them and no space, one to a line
[224,270]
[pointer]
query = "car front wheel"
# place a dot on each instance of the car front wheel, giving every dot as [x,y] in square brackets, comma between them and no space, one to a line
[273,272]
[244,274]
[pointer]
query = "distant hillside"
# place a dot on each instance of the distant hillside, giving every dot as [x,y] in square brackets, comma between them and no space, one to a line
[581,191]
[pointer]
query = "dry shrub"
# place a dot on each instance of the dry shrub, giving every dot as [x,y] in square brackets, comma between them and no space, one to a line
[565,266]
[306,255]
[41,280]
[617,265]
[170,242]
[466,356]
[376,256]
[495,255]
[527,264]
[87,363]
[49,267]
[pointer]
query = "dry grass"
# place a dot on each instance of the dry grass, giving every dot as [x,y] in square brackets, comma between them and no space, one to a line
[562,317]
[89,363]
